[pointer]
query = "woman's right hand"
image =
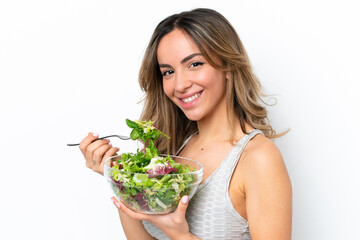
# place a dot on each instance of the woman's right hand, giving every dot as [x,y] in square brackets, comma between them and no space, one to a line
[97,152]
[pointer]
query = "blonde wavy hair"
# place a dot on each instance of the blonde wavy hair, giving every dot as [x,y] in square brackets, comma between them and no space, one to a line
[214,36]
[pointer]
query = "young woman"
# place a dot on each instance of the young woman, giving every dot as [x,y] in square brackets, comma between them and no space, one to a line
[200,90]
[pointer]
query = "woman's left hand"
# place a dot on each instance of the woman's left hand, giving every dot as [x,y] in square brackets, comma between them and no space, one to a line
[173,225]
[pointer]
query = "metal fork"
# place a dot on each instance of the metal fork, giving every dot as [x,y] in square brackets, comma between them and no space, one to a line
[118,136]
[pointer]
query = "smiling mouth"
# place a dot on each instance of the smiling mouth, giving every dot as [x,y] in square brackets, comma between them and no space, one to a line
[192,98]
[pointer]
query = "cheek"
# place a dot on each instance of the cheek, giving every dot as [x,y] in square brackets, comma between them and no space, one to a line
[219,79]
[167,88]
[211,80]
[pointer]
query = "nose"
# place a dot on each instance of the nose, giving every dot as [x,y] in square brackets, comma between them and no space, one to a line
[182,82]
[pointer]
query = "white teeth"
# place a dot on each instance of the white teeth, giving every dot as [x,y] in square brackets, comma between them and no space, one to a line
[190,99]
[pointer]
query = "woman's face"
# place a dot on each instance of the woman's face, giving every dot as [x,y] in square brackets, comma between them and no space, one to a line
[196,87]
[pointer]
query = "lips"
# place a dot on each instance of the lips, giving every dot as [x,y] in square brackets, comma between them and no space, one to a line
[190,100]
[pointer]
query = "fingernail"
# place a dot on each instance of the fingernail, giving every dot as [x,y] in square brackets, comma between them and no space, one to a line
[185,199]
[108,140]
[115,202]
[95,134]
[110,144]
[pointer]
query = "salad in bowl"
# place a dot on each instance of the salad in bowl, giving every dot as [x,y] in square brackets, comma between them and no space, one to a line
[149,182]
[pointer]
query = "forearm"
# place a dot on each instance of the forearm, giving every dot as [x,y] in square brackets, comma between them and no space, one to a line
[189,236]
[174,225]
[133,229]
[193,237]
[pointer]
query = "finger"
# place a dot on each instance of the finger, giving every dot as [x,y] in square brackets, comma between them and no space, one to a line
[129,212]
[181,209]
[99,153]
[87,141]
[116,202]
[111,152]
[92,147]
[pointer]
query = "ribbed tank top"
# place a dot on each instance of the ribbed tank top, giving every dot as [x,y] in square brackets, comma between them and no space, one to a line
[211,214]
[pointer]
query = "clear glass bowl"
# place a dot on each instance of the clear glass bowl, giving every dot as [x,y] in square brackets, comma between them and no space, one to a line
[163,191]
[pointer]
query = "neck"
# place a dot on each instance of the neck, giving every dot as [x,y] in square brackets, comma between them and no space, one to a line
[217,128]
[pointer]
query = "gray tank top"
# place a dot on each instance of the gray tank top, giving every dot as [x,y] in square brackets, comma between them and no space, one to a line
[211,214]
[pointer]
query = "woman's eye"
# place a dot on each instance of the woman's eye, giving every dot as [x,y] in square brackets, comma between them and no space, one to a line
[167,73]
[195,64]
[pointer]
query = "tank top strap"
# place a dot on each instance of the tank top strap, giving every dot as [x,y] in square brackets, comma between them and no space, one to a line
[239,148]
[185,142]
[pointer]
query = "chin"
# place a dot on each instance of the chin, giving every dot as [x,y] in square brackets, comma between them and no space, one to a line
[192,114]
[193,117]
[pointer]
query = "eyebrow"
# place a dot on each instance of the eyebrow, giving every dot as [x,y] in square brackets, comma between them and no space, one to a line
[182,61]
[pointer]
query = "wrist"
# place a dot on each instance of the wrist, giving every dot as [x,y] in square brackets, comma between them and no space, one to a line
[189,236]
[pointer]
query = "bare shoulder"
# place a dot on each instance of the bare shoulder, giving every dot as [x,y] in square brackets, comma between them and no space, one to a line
[261,152]
[267,187]
[262,160]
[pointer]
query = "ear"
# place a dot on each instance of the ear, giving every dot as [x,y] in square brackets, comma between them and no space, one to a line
[227,75]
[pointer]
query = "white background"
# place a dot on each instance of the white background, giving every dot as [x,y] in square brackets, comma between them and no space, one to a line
[70,67]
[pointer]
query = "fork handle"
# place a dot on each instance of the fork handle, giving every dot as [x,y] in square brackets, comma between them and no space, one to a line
[77,144]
